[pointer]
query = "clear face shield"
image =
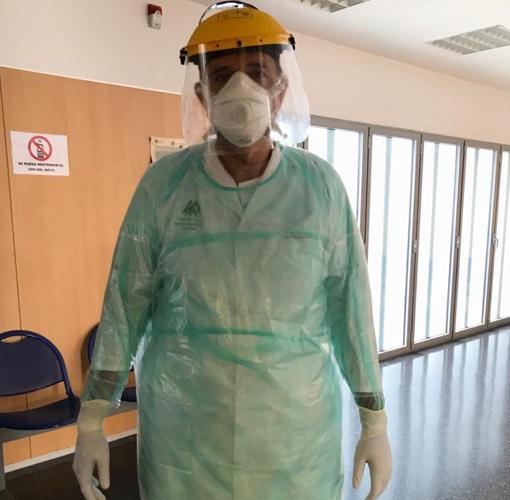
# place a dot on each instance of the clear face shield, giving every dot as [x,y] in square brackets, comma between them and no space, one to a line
[243,99]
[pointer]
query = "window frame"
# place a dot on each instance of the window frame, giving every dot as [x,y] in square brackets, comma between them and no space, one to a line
[368,130]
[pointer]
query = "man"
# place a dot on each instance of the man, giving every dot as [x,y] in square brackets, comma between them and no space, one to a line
[239,287]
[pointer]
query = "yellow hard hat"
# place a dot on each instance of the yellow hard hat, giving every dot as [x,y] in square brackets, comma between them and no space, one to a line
[235,28]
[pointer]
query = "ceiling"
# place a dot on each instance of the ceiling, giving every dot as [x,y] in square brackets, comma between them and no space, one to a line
[399,29]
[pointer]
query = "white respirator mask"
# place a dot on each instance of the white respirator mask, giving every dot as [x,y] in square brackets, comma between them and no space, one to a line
[241,111]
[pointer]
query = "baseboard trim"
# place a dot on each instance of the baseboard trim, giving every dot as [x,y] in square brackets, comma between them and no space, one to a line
[48,457]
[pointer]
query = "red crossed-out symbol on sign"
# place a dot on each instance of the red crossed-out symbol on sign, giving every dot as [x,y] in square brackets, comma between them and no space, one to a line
[40,148]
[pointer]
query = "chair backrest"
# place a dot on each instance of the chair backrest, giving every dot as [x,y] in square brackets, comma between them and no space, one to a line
[91,342]
[30,364]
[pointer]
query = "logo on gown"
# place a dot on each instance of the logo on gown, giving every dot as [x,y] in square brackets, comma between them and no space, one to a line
[191,216]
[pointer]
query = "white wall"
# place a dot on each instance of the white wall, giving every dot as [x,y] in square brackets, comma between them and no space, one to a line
[102,40]
[109,41]
[359,86]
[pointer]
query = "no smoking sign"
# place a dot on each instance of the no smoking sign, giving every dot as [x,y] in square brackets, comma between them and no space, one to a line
[36,153]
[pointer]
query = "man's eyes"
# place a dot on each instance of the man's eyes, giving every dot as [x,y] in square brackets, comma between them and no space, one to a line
[256,74]
[221,78]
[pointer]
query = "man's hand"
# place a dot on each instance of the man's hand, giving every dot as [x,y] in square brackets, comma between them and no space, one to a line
[92,450]
[373,449]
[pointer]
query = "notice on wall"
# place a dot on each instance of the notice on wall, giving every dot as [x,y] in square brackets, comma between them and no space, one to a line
[162,146]
[35,153]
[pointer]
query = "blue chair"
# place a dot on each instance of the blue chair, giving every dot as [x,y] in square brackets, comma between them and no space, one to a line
[129,393]
[26,366]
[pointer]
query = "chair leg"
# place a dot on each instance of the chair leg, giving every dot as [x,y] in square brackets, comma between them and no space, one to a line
[2,467]
[4,494]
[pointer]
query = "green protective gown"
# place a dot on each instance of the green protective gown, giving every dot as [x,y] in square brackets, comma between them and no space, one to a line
[239,322]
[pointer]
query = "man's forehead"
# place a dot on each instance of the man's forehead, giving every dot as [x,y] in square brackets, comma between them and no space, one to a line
[242,59]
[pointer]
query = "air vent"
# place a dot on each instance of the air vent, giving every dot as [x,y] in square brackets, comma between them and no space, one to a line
[334,5]
[475,41]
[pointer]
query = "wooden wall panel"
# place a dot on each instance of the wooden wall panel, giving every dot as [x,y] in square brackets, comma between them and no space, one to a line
[9,311]
[9,306]
[65,227]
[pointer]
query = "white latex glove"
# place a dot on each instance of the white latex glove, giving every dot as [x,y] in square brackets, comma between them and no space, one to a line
[92,449]
[373,449]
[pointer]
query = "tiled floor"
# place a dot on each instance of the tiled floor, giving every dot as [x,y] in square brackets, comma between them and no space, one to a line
[449,423]
[57,482]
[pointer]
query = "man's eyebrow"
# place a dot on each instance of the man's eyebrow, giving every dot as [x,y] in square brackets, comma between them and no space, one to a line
[220,69]
[227,68]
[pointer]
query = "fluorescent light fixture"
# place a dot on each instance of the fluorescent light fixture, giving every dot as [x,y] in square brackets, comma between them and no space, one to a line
[334,5]
[471,42]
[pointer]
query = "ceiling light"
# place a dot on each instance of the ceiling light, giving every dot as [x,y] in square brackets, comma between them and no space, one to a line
[334,5]
[475,41]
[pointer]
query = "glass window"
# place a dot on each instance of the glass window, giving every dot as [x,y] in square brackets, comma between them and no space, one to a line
[344,150]
[438,210]
[500,305]
[480,169]
[390,236]
[440,300]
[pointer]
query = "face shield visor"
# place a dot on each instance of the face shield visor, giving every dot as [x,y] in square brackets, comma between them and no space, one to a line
[246,98]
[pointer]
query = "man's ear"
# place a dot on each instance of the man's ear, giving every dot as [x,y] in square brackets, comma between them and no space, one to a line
[278,100]
[199,92]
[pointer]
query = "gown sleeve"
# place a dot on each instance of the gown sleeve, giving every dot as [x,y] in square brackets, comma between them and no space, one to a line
[127,303]
[349,303]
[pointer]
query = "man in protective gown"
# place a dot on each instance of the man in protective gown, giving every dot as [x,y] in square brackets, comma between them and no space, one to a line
[239,291]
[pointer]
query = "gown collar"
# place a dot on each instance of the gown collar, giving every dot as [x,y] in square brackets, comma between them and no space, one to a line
[215,169]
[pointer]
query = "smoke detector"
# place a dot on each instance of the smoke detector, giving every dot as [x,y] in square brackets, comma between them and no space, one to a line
[471,42]
[334,5]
